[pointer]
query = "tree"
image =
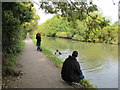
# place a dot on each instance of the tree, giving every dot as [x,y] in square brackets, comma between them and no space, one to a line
[15,15]
[69,9]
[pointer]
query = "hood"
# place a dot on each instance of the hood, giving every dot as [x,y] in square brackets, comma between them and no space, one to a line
[71,57]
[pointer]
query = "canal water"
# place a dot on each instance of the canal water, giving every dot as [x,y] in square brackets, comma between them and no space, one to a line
[99,62]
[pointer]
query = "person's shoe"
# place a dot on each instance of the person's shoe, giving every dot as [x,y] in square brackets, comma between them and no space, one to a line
[40,49]
[75,83]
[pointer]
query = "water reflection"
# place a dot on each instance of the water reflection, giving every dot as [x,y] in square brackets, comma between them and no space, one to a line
[99,62]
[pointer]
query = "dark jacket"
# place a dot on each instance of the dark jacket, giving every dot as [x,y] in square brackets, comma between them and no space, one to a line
[71,70]
[38,37]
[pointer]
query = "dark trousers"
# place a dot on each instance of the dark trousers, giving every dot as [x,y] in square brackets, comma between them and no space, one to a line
[38,44]
[82,77]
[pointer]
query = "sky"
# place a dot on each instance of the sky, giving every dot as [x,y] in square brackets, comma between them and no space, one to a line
[43,16]
[108,9]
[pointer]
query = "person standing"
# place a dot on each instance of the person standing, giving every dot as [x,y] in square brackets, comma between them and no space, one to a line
[38,37]
[71,71]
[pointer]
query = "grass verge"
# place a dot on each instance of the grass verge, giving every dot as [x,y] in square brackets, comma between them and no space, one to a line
[58,62]
[10,63]
[8,67]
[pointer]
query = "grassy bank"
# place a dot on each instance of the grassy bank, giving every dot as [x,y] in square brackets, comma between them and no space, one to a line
[9,62]
[12,58]
[8,67]
[58,62]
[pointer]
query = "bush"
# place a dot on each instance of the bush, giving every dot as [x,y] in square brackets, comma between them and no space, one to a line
[69,34]
[61,34]
[78,37]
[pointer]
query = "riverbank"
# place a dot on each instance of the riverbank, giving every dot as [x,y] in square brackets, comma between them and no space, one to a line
[58,63]
[86,41]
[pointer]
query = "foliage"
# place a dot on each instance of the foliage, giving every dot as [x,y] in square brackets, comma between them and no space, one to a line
[61,34]
[78,37]
[87,84]
[33,25]
[12,57]
[13,18]
[79,21]
[9,28]
[69,9]
[12,60]
[20,10]
[88,30]
[54,25]
[17,20]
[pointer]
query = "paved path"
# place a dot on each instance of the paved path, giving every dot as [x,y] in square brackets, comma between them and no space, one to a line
[39,71]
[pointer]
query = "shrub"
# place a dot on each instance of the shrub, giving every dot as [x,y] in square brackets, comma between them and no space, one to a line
[78,37]
[61,34]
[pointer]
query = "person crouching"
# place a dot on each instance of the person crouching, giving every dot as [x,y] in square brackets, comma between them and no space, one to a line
[71,71]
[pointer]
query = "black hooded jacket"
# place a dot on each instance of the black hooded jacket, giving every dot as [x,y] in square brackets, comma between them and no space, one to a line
[71,70]
[38,37]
